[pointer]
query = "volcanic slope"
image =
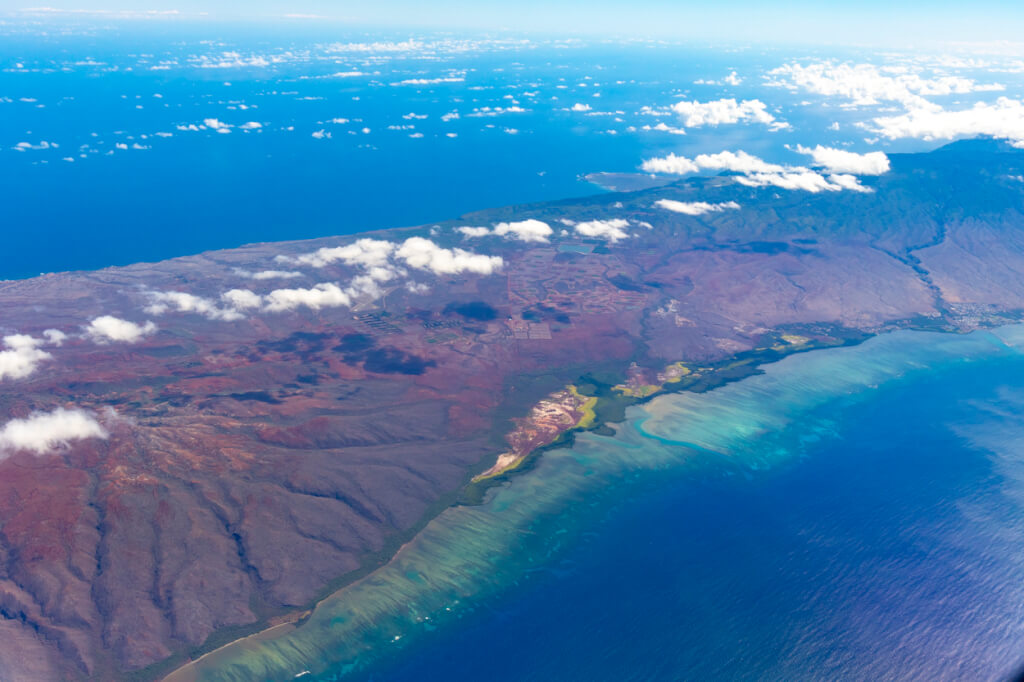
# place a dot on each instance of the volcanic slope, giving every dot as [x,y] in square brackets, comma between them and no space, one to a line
[212,442]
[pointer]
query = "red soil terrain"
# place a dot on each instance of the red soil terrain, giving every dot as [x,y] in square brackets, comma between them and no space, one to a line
[251,464]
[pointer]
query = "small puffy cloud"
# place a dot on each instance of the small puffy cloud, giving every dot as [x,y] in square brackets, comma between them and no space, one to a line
[670,165]
[1003,120]
[611,230]
[740,162]
[55,336]
[43,432]
[722,111]
[21,357]
[324,295]
[431,81]
[242,299]
[759,173]
[107,329]
[25,146]
[847,181]
[182,302]
[803,179]
[842,161]
[474,231]
[530,230]
[665,128]
[251,125]
[579,106]
[216,124]
[424,254]
[364,252]
[694,207]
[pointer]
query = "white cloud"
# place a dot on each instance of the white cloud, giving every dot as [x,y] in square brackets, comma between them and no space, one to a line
[430,81]
[740,162]
[486,112]
[694,207]
[251,125]
[241,299]
[55,336]
[802,179]
[324,295]
[579,106]
[233,60]
[1004,120]
[22,356]
[718,112]
[611,230]
[179,301]
[474,231]
[866,84]
[215,124]
[424,254]
[847,181]
[23,146]
[670,165]
[759,173]
[841,161]
[524,230]
[43,432]
[665,128]
[108,328]
[365,252]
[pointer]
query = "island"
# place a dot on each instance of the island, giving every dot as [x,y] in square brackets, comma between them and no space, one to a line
[200,449]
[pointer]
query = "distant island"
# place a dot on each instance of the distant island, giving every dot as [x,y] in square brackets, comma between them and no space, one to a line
[205,447]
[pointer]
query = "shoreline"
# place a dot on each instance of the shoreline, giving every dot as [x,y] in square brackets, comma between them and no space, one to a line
[710,377]
[731,369]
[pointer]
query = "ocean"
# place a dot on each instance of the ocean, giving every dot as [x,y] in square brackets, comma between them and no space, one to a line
[853,513]
[137,142]
[889,550]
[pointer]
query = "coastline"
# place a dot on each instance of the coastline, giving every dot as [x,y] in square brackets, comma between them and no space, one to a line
[712,376]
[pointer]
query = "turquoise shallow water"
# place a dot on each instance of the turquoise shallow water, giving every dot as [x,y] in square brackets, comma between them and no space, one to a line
[850,514]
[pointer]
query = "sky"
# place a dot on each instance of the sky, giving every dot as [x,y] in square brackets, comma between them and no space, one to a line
[868,22]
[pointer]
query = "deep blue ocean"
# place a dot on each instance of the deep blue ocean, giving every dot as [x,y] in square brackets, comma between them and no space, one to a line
[891,550]
[105,158]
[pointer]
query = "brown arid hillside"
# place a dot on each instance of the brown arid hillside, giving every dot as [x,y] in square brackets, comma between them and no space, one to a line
[193,448]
